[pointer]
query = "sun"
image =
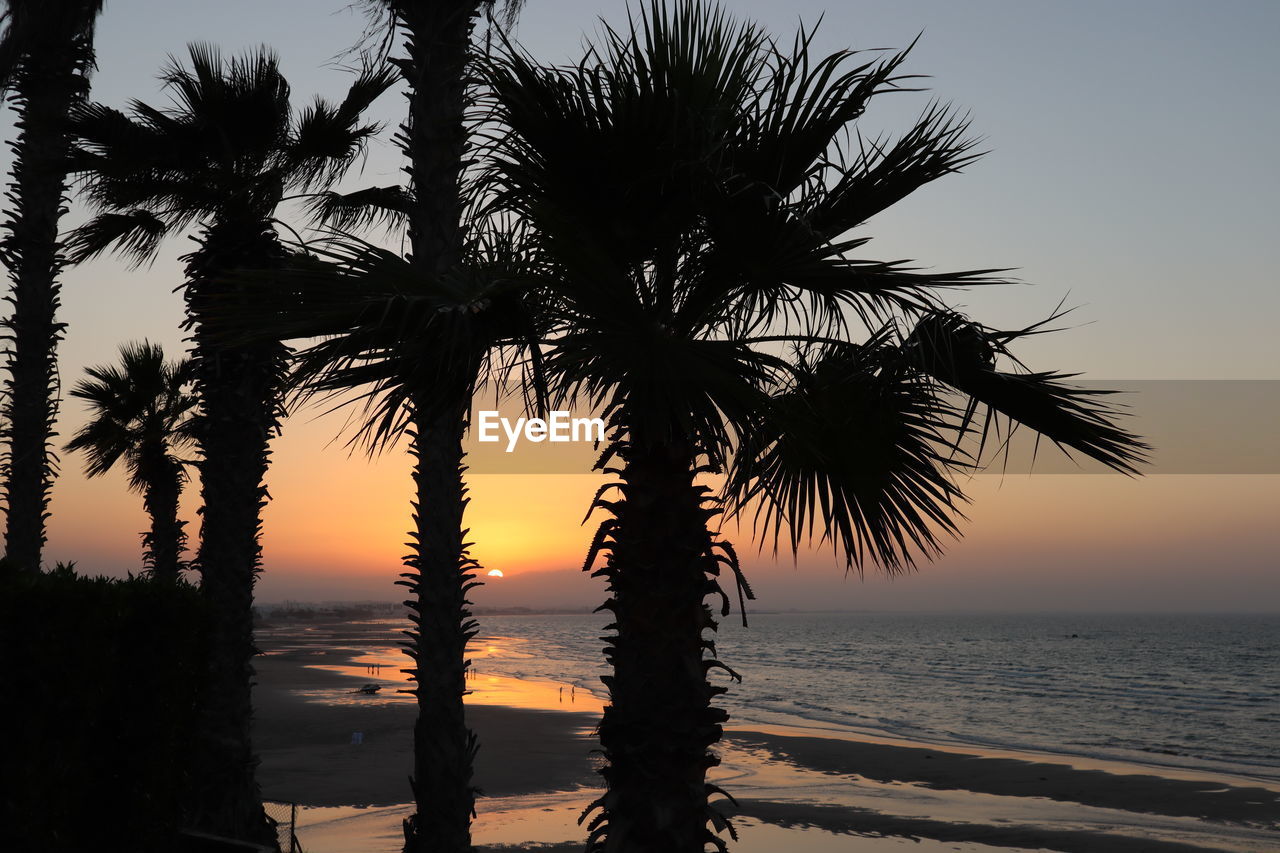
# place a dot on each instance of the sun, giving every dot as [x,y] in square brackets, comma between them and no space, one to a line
[495,573]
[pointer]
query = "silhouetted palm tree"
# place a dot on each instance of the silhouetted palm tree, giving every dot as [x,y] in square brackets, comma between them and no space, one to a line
[689,183]
[436,67]
[141,415]
[415,348]
[221,159]
[46,55]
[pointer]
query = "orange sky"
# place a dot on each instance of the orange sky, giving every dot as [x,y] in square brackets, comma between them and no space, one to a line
[335,529]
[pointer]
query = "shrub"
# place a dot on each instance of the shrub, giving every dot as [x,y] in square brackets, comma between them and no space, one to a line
[99,680]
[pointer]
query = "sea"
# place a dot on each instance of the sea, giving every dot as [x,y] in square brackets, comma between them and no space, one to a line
[1198,692]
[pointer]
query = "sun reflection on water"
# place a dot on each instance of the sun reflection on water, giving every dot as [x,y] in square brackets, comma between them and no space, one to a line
[386,667]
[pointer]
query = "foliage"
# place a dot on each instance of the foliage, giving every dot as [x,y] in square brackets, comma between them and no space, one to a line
[46,57]
[420,337]
[221,158]
[155,171]
[100,682]
[33,28]
[142,414]
[141,403]
[698,190]
[692,182]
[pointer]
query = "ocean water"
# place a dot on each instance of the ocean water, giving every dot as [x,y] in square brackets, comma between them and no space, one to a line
[1193,691]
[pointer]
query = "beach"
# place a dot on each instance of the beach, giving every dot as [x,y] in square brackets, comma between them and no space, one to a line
[344,759]
[524,751]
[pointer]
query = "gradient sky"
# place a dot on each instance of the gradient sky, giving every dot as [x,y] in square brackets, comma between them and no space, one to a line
[1132,170]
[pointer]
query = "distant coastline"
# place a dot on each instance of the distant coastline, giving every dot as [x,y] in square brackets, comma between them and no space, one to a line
[357,608]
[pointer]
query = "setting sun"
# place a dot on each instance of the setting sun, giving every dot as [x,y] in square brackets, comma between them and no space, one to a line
[823,432]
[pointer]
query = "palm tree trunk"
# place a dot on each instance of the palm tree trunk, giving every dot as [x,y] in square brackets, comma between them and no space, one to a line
[659,724]
[434,137]
[165,540]
[47,86]
[239,387]
[234,439]
[439,577]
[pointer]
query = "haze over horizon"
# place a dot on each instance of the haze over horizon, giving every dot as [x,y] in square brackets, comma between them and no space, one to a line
[985,571]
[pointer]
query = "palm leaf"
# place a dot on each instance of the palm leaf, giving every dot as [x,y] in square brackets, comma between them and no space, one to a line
[387,330]
[31,26]
[882,175]
[328,138]
[388,206]
[136,405]
[964,355]
[855,452]
[136,234]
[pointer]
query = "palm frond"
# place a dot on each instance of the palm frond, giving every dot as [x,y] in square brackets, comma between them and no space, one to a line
[965,355]
[104,444]
[881,175]
[34,27]
[11,41]
[226,149]
[623,146]
[140,409]
[136,234]
[245,97]
[801,109]
[353,211]
[109,141]
[854,453]
[328,138]
[388,332]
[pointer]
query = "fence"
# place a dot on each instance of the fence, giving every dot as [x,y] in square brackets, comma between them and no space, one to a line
[285,816]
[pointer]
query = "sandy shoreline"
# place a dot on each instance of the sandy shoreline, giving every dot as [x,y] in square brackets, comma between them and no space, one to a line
[1144,793]
[857,793]
[307,755]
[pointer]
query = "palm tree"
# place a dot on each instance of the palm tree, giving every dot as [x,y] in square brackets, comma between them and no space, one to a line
[221,158]
[421,331]
[415,349]
[689,184]
[46,56]
[436,67]
[141,415]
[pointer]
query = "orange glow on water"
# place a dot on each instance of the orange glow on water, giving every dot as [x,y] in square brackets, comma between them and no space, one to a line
[384,666]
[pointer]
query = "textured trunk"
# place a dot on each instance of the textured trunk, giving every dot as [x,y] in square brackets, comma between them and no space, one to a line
[47,86]
[239,390]
[434,138]
[659,723]
[439,577]
[164,542]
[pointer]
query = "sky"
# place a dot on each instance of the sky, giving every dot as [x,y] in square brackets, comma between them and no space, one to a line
[1130,170]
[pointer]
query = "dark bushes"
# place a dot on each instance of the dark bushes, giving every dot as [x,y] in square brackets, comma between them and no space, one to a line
[99,682]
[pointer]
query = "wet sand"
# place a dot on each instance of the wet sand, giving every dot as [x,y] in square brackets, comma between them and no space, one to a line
[861,795]
[1205,799]
[307,755]
[843,820]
